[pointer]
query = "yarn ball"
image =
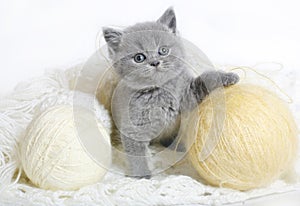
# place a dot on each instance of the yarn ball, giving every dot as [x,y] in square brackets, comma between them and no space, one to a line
[106,87]
[78,99]
[52,154]
[246,142]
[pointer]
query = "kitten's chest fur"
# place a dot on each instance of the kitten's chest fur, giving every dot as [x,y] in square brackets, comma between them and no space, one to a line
[156,108]
[150,112]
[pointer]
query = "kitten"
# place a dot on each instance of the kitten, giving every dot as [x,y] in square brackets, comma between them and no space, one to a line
[156,86]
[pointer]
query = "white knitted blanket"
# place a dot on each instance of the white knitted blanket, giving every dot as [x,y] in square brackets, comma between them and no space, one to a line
[179,185]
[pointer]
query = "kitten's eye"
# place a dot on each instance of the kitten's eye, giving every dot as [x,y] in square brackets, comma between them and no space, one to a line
[139,58]
[163,51]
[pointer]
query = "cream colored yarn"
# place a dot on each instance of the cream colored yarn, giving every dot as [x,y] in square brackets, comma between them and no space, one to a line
[106,87]
[52,154]
[179,186]
[257,142]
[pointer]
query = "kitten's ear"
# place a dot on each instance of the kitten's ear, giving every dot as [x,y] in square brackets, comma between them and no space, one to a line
[169,19]
[112,37]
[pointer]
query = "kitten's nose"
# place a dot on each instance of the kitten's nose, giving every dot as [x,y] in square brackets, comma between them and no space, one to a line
[155,63]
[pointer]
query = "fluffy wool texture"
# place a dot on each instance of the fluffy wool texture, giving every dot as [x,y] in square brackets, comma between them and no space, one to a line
[178,185]
[53,153]
[242,137]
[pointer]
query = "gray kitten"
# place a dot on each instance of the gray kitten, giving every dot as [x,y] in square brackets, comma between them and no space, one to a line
[156,86]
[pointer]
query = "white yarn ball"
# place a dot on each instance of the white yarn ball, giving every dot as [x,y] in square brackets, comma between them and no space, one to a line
[52,153]
[77,98]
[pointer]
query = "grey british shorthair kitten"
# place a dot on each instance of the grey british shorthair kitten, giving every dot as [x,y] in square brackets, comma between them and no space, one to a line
[156,86]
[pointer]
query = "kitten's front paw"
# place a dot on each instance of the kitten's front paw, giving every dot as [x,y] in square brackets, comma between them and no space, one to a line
[146,177]
[140,173]
[140,176]
[229,78]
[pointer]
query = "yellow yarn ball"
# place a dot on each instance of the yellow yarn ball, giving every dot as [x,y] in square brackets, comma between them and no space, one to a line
[256,144]
[52,153]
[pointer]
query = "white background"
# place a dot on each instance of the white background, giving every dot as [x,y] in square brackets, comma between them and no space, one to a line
[37,35]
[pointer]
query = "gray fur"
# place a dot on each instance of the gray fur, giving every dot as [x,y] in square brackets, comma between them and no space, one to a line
[150,98]
[168,19]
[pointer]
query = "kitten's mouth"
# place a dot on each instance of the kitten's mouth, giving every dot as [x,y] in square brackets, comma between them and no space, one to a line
[154,70]
[148,72]
[162,69]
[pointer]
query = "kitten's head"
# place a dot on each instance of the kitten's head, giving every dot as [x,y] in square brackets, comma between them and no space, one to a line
[149,52]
